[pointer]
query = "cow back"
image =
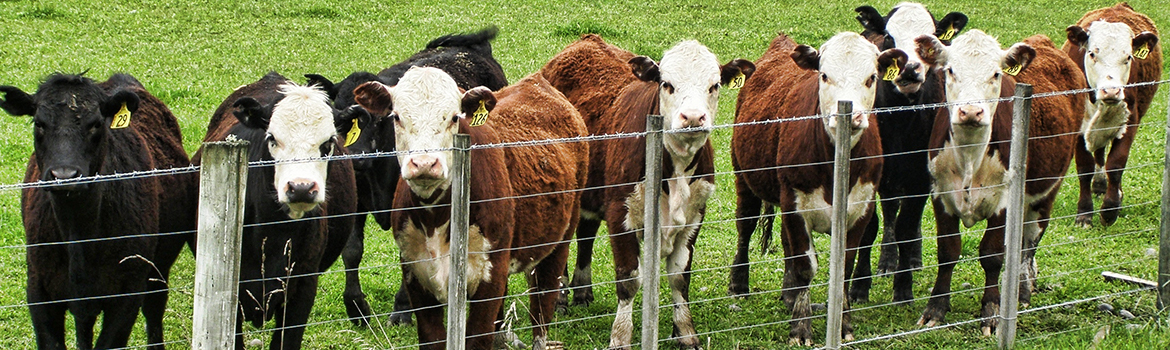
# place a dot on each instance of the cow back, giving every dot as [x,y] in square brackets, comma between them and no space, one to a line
[1055,119]
[590,73]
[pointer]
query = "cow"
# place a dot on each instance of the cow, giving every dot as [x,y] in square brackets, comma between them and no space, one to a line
[524,200]
[468,59]
[1113,46]
[80,129]
[969,153]
[905,185]
[788,163]
[296,206]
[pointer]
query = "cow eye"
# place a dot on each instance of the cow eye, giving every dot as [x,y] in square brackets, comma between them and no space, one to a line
[394,116]
[824,77]
[271,140]
[455,118]
[714,88]
[668,87]
[327,147]
[996,76]
[1092,55]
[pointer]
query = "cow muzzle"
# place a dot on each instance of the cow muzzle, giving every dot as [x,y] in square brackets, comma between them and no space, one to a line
[1111,95]
[64,173]
[302,191]
[971,116]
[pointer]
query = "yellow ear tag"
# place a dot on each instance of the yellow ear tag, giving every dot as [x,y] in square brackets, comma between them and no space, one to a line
[121,119]
[1142,52]
[892,71]
[353,134]
[950,33]
[1013,70]
[737,82]
[480,116]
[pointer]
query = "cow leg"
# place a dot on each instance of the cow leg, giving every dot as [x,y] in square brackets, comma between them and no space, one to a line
[117,322]
[678,269]
[84,324]
[545,283]
[746,210]
[908,231]
[626,247]
[432,334]
[154,304]
[401,313]
[582,281]
[852,241]
[801,262]
[48,321]
[291,317]
[356,306]
[991,251]
[1086,170]
[862,274]
[1036,220]
[888,258]
[484,306]
[1114,168]
[949,246]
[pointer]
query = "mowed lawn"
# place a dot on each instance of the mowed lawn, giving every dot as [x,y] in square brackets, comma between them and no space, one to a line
[193,55]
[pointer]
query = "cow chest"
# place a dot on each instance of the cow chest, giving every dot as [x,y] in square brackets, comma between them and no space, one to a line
[969,181]
[681,208]
[1103,123]
[425,252]
[818,213]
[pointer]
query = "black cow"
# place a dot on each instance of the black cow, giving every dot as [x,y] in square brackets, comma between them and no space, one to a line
[82,128]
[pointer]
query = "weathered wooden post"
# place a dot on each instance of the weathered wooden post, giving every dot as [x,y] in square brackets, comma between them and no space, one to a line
[460,211]
[1164,239]
[840,224]
[1009,286]
[223,179]
[652,233]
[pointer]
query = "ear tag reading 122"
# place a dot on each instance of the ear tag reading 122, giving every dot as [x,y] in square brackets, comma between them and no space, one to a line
[737,82]
[1013,70]
[121,119]
[1142,52]
[892,71]
[950,33]
[480,116]
[353,134]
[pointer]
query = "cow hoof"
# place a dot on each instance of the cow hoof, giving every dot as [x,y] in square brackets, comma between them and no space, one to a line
[933,316]
[847,337]
[801,334]
[737,289]
[858,295]
[887,266]
[1100,183]
[400,318]
[904,297]
[1109,213]
[1084,220]
[986,331]
[358,311]
[509,340]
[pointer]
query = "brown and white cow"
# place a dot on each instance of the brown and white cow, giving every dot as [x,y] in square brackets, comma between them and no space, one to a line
[528,233]
[969,152]
[1114,46]
[684,88]
[789,163]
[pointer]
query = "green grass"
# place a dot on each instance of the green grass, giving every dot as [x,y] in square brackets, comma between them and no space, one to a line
[192,56]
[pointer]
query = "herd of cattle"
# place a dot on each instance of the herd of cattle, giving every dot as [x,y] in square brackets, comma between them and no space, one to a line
[297,210]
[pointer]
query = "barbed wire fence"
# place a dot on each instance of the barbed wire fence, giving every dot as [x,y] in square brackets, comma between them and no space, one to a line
[650,338]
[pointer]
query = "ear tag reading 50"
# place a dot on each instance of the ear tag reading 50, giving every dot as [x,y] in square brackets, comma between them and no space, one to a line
[737,82]
[480,116]
[1142,52]
[121,119]
[892,71]
[950,33]
[353,134]
[1013,70]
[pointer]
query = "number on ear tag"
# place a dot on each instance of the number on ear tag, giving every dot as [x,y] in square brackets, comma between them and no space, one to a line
[480,116]
[1142,52]
[892,71]
[353,134]
[121,119]
[950,33]
[1013,70]
[737,82]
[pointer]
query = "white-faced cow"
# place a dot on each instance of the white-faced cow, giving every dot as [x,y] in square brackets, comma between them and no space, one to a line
[81,129]
[789,163]
[524,200]
[905,185]
[1113,46]
[287,240]
[468,59]
[684,88]
[969,152]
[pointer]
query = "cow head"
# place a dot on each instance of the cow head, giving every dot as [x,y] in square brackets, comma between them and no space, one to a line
[71,124]
[425,107]
[848,65]
[358,130]
[300,131]
[973,68]
[688,81]
[1109,53]
[899,29]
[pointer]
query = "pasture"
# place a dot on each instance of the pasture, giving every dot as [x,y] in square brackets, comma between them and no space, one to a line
[192,55]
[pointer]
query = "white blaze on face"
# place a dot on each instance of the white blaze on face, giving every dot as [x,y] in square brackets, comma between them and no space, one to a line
[426,106]
[301,128]
[848,67]
[909,21]
[973,71]
[1108,57]
[689,95]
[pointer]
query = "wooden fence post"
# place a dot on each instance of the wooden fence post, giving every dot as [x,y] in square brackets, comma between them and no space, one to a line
[652,233]
[1164,239]
[223,179]
[840,224]
[1009,286]
[460,210]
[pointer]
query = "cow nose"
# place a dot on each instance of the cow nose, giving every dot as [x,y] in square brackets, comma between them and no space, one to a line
[858,119]
[1111,94]
[424,166]
[302,191]
[63,173]
[693,119]
[970,115]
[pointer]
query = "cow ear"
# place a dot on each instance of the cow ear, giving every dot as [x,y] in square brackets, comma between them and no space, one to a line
[374,97]
[645,69]
[871,19]
[473,97]
[251,113]
[949,26]
[1018,57]
[1077,36]
[323,82]
[734,68]
[1145,38]
[343,119]
[931,50]
[806,57]
[113,104]
[17,102]
[895,58]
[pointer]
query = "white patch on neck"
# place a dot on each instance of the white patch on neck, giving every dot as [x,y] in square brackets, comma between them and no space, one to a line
[971,192]
[427,256]
[681,210]
[1103,123]
[818,214]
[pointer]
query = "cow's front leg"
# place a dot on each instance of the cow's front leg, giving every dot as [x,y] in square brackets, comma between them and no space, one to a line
[678,269]
[991,251]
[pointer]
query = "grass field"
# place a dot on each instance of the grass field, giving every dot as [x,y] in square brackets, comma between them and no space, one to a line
[193,55]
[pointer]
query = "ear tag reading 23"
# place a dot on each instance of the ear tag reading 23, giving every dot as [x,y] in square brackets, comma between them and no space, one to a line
[1013,70]
[892,71]
[353,134]
[480,116]
[737,82]
[121,119]
[950,33]
[1142,52]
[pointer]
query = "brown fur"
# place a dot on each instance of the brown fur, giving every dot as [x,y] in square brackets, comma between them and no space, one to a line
[782,90]
[590,73]
[1138,100]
